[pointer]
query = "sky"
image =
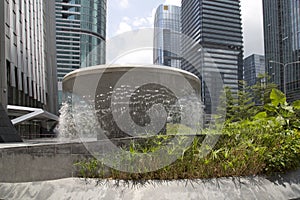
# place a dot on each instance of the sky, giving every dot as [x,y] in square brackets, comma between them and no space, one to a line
[127,15]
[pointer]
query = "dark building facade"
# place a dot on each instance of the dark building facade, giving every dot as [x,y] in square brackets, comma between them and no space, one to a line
[28,55]
[80,35]
[253,66]
[216,26]
[167,30]
[282,44]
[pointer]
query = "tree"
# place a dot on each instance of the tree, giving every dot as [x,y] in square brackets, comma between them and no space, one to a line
[261,90]
[248,101]
[237,106]
[226,103]
[243,107]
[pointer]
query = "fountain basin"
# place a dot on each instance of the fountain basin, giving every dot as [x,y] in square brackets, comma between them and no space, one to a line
[134,99]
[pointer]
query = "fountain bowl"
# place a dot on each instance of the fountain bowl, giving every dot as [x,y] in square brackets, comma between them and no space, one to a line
[134,96]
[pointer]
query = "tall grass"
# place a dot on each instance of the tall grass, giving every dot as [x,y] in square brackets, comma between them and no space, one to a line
[266,143]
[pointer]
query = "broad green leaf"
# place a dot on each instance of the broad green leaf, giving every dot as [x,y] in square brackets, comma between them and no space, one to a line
[277,97]
[270,107]
[296,105]
[261,115]
[281,120]
[288,108]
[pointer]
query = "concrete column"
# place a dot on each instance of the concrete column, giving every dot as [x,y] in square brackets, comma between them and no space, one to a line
[3,73]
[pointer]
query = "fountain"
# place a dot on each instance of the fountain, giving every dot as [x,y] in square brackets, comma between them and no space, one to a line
[107,107]
[131,100]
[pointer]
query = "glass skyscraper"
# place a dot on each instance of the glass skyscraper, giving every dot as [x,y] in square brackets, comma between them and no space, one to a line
[282,44]
[28,64]
[80,35]
[216,26]
[253,66]
[167,29]
[28,77]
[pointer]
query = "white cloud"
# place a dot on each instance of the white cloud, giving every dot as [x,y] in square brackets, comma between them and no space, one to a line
[143,56]
[144,22]
[252,26]
[126,19]
[151,17]
[128,24]
[124,3]
[123,27]
[135,47]
[137,22]
[173,2]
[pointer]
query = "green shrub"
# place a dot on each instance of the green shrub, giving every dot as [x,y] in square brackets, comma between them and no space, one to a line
[266,142]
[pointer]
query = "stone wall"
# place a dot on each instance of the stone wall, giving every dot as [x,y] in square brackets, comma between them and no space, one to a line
[40,162]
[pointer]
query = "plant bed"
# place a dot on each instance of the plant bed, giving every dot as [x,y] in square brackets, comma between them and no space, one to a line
[266,143]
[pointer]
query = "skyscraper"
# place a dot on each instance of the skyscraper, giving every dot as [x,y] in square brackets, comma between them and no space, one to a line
[80,35]
[282,44]
[28,57]
[167,29]
[216,26]
[253,66]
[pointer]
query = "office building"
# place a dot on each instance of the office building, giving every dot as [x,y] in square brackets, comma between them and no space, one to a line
[80,35]
[167,30]
[282,44]
[253,66]
[216,26]
[28,63]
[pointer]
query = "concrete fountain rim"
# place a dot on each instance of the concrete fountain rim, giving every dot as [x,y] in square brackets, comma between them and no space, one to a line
[108,68]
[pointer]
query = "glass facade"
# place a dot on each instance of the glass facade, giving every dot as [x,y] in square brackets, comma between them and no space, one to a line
[28,64]
[80,34]
[282,44]
[216,26]
[28,59]
[167,29]
[253,66]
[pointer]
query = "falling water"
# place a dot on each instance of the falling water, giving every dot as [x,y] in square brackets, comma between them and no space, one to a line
[85,117]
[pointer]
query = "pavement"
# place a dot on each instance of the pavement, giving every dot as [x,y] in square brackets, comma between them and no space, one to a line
[286,187]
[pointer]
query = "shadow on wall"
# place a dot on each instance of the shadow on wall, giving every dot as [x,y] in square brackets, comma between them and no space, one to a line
[8,133]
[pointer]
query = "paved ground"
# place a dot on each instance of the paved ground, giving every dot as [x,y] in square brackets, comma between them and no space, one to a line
[287,187]
[33,161]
